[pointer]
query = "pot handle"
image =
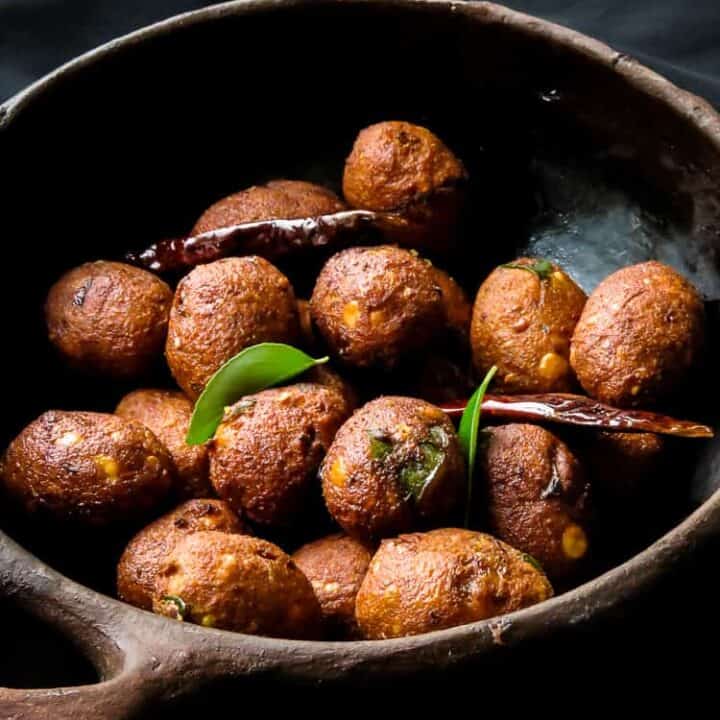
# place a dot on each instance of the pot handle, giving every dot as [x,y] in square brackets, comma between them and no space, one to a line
[127,662]
[110,700]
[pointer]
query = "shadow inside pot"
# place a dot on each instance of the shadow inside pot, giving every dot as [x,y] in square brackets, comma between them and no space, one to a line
[35,655]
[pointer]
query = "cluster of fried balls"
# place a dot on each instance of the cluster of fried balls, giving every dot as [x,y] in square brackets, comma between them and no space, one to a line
[391,470]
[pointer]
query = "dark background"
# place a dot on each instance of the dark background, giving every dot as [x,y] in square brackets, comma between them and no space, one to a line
[669,637]
[679,38]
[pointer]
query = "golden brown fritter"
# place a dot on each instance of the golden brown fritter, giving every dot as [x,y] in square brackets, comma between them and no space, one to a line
[308,337]
[326,376]
[236,582]
[146,552]
[429,581]
[458,310]
[278,199]
[222,308]
[92,468]
[109,318]
[639,336]
[400,167]
[522,322]
[537,496]
[335,566]
[266,453]
[443,372]
[375,305]
[622,465]
[167,413]
[394,465]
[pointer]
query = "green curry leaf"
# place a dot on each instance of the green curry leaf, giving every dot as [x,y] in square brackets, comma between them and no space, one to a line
[380,445]
[417,474]
[542,268]
[532,561]
[255,368]
[468,434]
[181,608]
[439,436]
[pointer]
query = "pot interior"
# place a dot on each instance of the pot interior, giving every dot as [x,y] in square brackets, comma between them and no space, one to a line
[568,160]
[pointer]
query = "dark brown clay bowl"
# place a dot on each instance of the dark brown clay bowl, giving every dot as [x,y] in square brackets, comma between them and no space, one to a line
[577,151]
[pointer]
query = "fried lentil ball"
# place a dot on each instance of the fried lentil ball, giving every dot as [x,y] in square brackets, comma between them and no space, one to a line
[522,322]
[375,305]
[109,318]
[308,336]
[278,199]
[400,167]
[639,335]
[222,308]
[439,579]
[394,465]
[537,496]
[443,373]
[236,582]
[88,467]
[167,413]
[458,310]
[323,375]
[335,566]
[622,464]
[144,555]
[266,453]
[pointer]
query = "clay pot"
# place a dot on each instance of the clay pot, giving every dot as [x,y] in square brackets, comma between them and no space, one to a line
[131,141]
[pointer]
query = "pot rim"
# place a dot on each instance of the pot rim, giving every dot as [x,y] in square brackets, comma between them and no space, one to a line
[594,597]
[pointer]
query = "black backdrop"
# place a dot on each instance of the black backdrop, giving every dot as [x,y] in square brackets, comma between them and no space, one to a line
[679,38]
[670,637]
